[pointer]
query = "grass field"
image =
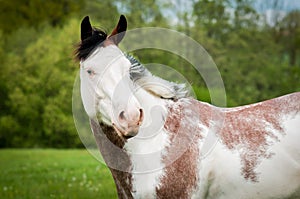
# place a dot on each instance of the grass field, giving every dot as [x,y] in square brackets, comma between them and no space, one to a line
[49,173]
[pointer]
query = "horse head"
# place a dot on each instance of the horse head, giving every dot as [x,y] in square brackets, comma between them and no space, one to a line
[106,87]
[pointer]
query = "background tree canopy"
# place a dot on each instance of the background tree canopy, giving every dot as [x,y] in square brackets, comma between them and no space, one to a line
[258,59]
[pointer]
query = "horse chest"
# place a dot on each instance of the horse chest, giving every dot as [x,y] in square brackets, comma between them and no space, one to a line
[146,159]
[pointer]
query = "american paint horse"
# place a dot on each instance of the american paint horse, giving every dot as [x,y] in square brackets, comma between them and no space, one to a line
[256,155]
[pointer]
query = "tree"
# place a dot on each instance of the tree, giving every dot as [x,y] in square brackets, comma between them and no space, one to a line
[20,13]
[142,13]
[102,13]
[245,16]
[290,35]
[38,110]
[213,17]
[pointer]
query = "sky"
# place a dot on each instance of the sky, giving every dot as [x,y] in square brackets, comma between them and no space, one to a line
[261,5]
[264,7]
[285,5]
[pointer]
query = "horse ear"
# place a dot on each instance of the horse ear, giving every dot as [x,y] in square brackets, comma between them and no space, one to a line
[86,28]
[119,31]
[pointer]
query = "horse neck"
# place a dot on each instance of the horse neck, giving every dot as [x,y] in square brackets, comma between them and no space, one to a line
[117,152]
[151,134]
[186,125]
[169,122]
[180,120]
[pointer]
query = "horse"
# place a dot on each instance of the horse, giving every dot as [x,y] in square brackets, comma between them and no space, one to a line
[151,134]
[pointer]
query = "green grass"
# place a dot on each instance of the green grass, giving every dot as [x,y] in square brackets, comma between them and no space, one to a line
[49,173]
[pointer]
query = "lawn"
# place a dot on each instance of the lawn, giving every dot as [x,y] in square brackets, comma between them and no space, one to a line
[50,173]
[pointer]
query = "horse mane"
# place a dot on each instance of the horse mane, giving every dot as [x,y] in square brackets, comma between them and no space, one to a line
[155,85]
[88,45]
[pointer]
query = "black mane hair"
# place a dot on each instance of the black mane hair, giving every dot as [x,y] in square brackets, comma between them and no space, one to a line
[86,46]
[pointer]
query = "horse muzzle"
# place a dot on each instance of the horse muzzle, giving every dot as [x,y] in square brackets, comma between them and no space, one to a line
[128,123]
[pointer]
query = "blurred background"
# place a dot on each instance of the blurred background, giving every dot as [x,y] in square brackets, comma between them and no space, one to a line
[254,43]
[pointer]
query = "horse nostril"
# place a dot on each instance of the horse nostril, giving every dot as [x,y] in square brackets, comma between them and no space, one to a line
[122,116]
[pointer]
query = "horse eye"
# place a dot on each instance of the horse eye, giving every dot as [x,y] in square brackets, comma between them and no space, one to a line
[90,72]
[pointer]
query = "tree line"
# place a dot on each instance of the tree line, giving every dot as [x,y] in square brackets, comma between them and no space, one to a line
[257,60]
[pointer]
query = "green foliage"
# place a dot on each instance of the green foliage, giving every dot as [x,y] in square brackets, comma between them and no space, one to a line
[19,13]
[103,14]
[53,174]
[142,13]
[212,16]
[253,64]
[290,36]
[39,90]
[202,94]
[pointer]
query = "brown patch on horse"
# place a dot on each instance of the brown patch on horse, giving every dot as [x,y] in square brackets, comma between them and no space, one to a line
[118,161]
[181,176]
[250,130]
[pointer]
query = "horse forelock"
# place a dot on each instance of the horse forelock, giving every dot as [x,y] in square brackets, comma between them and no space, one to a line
[88,45]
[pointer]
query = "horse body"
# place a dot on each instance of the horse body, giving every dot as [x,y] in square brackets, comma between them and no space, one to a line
[257,154]
[161,144]
[260,162]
